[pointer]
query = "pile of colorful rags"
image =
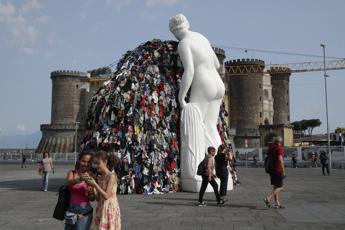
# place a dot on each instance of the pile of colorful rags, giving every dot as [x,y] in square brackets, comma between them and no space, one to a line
[136,116]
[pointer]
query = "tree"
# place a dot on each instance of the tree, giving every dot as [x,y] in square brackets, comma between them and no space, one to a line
[306,125]
[311,124]
[339,130]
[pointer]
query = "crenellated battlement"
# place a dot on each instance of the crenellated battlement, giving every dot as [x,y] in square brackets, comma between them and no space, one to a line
[245,61]
[279,70]
[69,73]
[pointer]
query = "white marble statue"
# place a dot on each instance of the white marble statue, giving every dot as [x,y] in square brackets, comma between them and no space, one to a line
[199,116]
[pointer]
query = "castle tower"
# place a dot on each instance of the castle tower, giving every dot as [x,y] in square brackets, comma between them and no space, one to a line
[68,107]
[251,100]
[280,78]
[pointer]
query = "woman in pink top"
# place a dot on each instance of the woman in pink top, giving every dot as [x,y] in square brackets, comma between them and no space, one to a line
[80,209]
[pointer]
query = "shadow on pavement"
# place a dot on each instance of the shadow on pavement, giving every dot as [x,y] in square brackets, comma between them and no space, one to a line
[31,185]
[183,199]
[170,204]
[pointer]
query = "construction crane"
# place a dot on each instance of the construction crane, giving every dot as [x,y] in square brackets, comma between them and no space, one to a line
[298,67]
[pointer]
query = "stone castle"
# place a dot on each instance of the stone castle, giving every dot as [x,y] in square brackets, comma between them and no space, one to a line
[258,105]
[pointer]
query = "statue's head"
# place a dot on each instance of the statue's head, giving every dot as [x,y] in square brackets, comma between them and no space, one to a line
[177,23]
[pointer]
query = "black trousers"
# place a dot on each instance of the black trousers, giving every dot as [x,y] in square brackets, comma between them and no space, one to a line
[223,177]
[323,168]
[204,186]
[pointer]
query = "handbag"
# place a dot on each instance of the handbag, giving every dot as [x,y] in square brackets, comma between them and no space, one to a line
[40,170]
[71,218]
[62,203]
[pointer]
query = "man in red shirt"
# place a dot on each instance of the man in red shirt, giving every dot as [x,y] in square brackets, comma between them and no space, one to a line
[276,151]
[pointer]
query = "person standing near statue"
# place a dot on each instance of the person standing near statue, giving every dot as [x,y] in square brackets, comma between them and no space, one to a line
[199,115]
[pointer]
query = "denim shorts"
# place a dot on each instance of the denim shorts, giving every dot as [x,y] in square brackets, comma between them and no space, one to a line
[83,223]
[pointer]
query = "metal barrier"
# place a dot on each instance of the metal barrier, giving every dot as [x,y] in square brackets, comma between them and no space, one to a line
[304,155]
[35,157]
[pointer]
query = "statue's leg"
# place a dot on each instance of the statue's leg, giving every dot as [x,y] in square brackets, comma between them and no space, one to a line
[211,120]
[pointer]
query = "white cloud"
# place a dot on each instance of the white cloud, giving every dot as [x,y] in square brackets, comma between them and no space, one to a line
[21,128]
[30,6]
[7,10]
[22,27]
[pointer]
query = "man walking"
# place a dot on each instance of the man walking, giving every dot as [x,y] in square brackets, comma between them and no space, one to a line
[209,177]
[324,162]
[276,152]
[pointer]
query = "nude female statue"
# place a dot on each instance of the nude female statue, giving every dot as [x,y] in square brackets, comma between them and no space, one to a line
[199,116]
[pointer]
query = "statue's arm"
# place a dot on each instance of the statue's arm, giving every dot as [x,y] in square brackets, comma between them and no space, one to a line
[188,66]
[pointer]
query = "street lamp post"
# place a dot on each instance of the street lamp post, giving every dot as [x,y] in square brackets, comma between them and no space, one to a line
[76,141]
[325,77]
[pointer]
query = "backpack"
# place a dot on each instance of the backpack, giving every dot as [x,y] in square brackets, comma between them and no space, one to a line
[62,203]
[269,164]
[202,167]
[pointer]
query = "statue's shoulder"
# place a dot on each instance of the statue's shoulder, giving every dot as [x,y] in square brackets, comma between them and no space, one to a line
[184,44]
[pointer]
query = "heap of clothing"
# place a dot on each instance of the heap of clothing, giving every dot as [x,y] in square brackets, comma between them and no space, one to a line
[136,116]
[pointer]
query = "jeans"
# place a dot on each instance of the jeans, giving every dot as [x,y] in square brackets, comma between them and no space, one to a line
[323,169]
[85,222]
[204,186]
[223,176]
[45,178]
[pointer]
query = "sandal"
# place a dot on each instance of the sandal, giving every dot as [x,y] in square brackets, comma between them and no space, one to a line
[267,203]
[279,207]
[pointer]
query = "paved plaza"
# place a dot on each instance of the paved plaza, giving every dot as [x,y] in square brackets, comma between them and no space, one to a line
[312,202]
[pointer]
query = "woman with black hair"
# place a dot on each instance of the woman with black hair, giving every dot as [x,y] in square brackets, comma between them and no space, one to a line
[222,172]
[79,212]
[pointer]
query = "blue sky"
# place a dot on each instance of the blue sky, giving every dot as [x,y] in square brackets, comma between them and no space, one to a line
[38,37]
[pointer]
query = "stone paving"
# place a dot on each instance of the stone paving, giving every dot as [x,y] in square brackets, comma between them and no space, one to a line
[312,201]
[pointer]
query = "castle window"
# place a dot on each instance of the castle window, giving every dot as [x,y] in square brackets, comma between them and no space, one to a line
[260,114]
[77,86]
[260,85]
